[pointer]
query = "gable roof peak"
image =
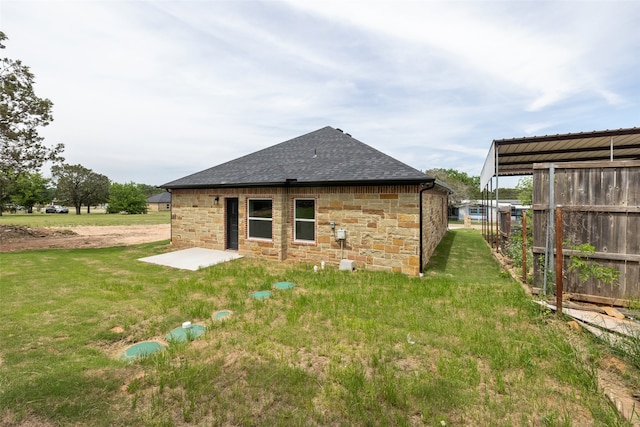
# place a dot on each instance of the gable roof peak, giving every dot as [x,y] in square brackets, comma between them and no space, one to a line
[327,156]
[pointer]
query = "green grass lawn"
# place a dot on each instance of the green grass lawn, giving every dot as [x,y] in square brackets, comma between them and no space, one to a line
[40,219]
[464,345]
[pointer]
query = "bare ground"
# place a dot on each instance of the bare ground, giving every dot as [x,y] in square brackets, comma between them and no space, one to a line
[19,238]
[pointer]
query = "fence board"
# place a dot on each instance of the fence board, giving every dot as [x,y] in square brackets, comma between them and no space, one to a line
[633,231]
[601,207]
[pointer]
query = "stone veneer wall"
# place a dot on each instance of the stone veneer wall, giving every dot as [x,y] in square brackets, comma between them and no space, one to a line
[435,220]
[158,207]
[381,222]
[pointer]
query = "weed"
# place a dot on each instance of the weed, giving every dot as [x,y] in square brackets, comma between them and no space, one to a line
[587,269]
[332,351]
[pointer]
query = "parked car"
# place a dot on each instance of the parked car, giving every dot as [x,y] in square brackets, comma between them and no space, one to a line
[56,209]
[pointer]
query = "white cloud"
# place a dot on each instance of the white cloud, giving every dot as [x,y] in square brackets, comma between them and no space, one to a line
[151,91]
[512,45]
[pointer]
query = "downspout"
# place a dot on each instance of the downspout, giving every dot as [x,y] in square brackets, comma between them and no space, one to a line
[170,217]
[497,203]
[429,186]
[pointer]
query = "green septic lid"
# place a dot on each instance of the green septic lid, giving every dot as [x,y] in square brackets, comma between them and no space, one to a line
[284,285]
[222,314]
[141,350]
[260,295]
[181,334]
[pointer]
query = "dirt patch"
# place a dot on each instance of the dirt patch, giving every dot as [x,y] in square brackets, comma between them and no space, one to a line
[19,238]
[117,329]
[610,378]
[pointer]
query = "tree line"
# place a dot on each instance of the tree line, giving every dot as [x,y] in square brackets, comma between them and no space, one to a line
[23,153]
[466,187]
[78,186]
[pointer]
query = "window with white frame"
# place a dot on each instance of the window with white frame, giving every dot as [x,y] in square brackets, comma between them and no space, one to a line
[304,220]
[260,218]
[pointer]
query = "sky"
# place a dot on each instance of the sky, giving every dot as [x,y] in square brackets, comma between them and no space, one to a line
[151,91]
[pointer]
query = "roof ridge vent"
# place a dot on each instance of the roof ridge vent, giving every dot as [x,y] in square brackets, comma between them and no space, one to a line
[348,134]
[339,130]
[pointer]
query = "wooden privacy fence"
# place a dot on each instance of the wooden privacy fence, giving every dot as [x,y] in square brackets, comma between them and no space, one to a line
[600,204]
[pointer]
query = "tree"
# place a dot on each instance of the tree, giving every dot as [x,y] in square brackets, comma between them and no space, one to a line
[127,198]
[22,149]
[77,185]
[32,189]
[525,190]
[98,191]
[148,190]
[464,187]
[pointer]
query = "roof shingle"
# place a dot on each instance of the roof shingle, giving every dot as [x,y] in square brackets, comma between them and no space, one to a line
[326,156]
[164,197]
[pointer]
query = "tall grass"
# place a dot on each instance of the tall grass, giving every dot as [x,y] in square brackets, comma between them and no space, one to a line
[463,346]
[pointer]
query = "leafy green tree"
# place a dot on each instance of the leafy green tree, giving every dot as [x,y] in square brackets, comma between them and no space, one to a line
[464,187]
[98,193]
[505,194]
[78,185]
[32,189]
[22,149]
[524,190]
[148,190]
[127,198]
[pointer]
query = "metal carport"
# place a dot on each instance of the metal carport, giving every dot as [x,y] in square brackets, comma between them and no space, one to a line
[517,156]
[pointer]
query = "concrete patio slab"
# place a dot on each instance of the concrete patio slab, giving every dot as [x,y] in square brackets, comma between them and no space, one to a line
[192,259]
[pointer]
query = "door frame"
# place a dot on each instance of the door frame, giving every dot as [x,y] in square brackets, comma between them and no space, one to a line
[231,215]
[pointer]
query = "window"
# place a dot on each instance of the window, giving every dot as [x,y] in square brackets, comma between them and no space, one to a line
[305,220]
[260,218]
[477,210]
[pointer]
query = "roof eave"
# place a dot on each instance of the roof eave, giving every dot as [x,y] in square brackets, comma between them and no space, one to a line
[295,183]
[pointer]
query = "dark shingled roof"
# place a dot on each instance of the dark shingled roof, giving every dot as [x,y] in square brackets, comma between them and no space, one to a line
[324,157]
[164,197]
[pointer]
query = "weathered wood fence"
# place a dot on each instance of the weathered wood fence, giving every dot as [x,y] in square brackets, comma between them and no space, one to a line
[601,207]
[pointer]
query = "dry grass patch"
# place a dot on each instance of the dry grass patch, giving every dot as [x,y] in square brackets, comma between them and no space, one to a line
[463,346]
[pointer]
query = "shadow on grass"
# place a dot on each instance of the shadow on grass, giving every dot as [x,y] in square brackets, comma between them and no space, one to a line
[440,258]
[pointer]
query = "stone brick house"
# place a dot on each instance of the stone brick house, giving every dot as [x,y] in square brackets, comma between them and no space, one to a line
[323,196]
[159,202]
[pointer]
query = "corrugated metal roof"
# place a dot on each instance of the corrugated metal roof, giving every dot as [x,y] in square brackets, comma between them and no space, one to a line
[516,156]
